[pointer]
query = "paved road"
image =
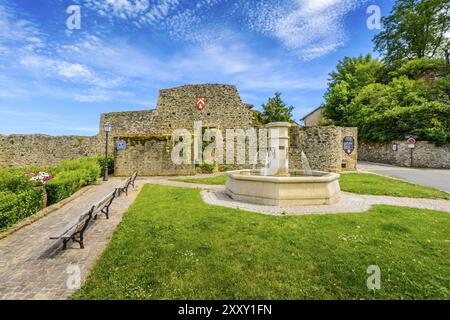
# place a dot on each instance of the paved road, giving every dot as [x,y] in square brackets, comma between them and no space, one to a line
[436,178]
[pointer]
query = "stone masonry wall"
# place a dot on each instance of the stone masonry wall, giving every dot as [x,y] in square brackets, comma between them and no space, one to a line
[424,155]
[323,147]
[176,109]
[45,151]
[150,157]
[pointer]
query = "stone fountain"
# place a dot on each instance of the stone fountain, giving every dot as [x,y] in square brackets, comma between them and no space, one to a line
[276,185]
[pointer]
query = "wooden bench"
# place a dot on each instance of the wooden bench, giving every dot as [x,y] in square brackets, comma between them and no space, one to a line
[130,181]
[133,178]
[75,230]
[103,205]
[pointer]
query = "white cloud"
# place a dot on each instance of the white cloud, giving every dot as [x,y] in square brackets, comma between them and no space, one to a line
[142,11]
[66,71]
[231,61]
[312,28]
[18,33]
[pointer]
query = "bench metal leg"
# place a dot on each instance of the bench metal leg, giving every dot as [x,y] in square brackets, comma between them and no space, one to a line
[65,244]
[106,212]
[79,241]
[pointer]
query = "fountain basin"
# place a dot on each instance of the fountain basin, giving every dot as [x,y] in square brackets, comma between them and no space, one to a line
[296,189]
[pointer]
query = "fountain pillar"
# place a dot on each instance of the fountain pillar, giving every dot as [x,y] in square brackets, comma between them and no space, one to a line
[279,140]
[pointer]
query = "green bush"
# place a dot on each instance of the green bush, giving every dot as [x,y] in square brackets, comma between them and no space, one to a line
[101,163]
[414,99]
[71,176]
[21,170]
[19,198]
[417,68]
[14,182]
[90,165]
[207,167]
[17,206]
[66,183]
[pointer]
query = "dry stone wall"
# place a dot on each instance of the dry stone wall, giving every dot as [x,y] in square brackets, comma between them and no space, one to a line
[424,155]
[45,151]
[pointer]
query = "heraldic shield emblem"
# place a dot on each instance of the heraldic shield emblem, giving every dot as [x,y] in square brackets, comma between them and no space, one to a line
[201,103]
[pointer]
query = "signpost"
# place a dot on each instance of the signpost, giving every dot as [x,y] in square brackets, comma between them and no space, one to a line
[411,140]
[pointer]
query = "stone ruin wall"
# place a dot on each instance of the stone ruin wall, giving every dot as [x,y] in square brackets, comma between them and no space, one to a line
[45,151]
[324,148]
[175,109]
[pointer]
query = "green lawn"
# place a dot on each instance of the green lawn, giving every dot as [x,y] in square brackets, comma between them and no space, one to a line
[367,183]
[170,245]
[217,180]
[362,183]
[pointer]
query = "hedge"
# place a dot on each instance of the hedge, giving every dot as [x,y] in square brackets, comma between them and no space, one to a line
[13,182]
[20,198]
[70,177]
[17,206]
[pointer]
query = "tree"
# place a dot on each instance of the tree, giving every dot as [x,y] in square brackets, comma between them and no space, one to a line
[414,29]
[276,110]
[350,76]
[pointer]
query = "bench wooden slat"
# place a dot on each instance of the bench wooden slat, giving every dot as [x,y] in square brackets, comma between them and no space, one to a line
[70,226]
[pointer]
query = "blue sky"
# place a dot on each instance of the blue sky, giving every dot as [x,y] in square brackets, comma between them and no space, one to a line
[58,81]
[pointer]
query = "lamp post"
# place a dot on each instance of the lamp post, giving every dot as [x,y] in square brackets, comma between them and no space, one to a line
[107,128]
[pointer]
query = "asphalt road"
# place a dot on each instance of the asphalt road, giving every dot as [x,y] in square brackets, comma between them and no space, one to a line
[436,178]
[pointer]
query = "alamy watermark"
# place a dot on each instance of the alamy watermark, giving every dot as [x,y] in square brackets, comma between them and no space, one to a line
[74,277]
[73,22]
[238,146]
[374,280]
[374,20]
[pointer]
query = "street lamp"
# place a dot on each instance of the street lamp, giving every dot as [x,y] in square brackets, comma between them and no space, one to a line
[107,128]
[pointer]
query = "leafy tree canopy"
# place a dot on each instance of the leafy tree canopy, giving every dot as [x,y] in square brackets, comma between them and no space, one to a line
[414,29]
[413,99]
[351,75]
[276,110]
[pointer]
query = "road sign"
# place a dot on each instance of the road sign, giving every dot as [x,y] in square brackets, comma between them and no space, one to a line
[201,103]
[411,140]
